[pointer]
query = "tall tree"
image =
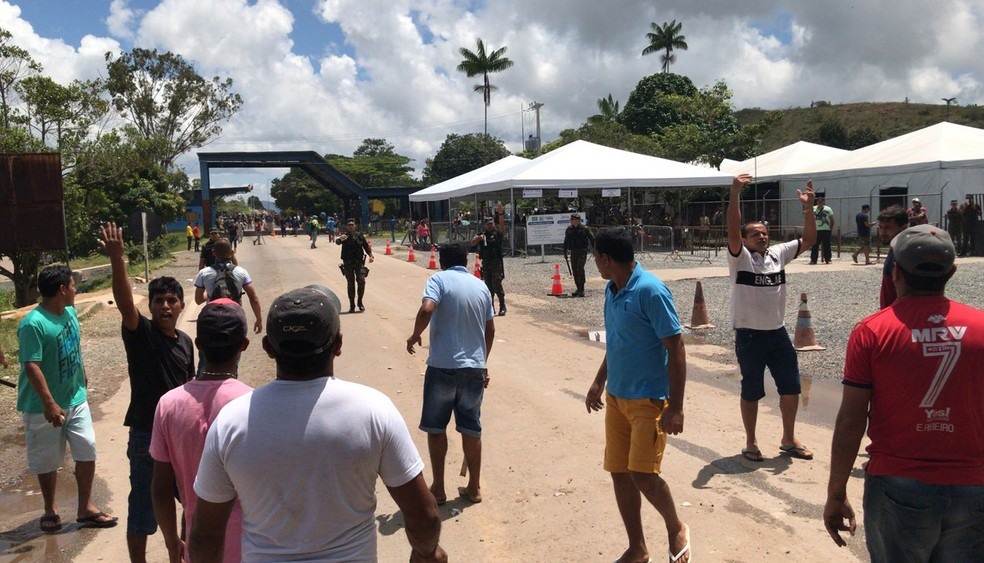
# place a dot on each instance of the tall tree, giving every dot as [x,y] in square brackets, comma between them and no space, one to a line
[463,153]
[15,64]
[608,111]
[374,164]
[480,62]
[665,38]
[168,102]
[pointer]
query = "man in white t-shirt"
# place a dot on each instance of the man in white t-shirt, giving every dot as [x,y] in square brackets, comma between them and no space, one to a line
[758,311]
[233,286]
[302,454]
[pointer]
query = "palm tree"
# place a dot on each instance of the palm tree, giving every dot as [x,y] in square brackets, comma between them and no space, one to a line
[607,111]
[665,37]
[480,62]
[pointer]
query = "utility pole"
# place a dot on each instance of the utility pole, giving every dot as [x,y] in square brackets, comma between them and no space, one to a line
[535,106]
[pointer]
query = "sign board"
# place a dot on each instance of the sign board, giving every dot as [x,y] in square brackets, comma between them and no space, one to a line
[529,193]
[567,193]
[32,216]
[611,192]
[135,225]
[547,229]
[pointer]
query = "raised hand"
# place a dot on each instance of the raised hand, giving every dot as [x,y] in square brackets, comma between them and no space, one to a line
[112,239]
[806,197]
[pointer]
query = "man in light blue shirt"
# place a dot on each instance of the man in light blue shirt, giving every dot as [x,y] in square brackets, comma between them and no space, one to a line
[645,369]
[458,307]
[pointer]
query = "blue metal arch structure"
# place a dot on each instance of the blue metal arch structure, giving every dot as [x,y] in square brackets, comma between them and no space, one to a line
[310,162]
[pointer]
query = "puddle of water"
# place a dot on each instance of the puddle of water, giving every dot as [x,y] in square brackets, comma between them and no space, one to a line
[21,506]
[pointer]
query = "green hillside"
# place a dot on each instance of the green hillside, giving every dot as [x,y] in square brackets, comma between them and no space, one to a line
[887,120]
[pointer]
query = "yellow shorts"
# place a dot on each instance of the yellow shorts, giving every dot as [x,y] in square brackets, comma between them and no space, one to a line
[633,439]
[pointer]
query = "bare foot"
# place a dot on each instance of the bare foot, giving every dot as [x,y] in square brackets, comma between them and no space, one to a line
[475,497]
[439,495]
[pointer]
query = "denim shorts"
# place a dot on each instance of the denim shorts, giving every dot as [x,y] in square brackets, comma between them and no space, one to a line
[758,349]
[453,390]
[140,506]
[908,520]
[46,444]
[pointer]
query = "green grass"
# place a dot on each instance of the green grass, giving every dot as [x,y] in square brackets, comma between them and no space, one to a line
[175,242]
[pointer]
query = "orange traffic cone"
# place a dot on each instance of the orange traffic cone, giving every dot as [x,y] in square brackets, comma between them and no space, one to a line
[804,339]
[432,265]
[699,317]
[558,289]
[389,251]
[478,267]
[411,257]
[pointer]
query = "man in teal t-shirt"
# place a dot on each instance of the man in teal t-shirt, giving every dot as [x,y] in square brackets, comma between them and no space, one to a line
[52,397]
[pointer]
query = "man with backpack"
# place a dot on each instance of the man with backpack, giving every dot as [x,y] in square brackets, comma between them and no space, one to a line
[225,279]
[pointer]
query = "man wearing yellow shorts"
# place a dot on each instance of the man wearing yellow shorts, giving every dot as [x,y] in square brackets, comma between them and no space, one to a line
[645,370]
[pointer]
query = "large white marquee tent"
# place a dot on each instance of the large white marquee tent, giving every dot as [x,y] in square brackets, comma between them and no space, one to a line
[936,164]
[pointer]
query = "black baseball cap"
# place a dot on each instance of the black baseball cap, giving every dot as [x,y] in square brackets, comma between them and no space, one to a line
[303,322]
[221,324]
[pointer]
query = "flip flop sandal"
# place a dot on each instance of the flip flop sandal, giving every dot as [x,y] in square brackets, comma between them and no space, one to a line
[752,454]
[51,523]
[96,521]
[800,452]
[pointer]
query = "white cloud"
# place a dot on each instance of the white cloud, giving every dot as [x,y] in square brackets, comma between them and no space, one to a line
[394,78]
[120,19]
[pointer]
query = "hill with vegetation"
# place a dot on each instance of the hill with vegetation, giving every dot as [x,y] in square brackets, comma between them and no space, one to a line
[852,126]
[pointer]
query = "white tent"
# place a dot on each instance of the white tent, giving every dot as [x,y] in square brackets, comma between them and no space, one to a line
[586,165]
[458,186]
[769,167]
[936,164]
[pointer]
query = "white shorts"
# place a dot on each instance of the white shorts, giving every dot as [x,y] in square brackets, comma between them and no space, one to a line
[46,443]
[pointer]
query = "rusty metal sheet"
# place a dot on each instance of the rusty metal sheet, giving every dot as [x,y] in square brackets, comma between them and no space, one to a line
[31,200]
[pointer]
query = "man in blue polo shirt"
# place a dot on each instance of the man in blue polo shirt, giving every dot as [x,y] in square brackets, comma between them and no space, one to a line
[461,337]
[645,369]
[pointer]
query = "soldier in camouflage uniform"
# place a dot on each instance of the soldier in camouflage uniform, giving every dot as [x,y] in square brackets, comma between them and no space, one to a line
[578,240]
[355,248]
[489,243]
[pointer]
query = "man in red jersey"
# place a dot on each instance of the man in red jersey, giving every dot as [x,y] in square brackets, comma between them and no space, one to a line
[914,370]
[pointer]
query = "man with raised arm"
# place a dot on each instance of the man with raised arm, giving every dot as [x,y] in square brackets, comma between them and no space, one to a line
[758,316]
[159,358]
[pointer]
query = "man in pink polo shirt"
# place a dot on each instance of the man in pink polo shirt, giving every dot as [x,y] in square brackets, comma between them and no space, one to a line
[183,418]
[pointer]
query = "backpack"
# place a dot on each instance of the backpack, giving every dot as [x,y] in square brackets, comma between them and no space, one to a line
[225,283]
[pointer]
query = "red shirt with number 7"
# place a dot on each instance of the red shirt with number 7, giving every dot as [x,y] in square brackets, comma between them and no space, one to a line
[923,359]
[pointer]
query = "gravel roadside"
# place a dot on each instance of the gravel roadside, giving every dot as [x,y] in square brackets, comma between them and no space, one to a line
[837,299]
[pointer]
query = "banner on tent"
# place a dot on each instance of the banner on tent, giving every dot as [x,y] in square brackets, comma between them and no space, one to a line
[611,192]
[532,193]
[567,193]
[547,229]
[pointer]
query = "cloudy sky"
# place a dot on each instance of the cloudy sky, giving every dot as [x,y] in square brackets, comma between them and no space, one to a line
[324,74]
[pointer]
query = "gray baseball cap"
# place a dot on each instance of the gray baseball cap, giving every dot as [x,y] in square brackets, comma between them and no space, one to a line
[924,250]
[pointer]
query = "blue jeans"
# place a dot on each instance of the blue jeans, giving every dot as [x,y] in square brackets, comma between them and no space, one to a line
[908,520]
[453,390]
[140,507]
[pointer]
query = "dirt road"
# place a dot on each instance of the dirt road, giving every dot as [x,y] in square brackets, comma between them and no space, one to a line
[546,495]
